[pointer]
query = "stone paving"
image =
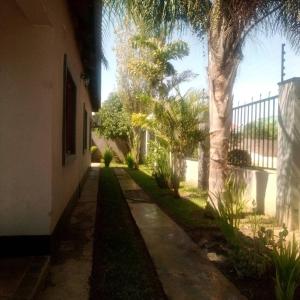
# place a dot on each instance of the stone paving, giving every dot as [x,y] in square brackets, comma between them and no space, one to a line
[12,272]
[21,277]
[184,272]
[71,266]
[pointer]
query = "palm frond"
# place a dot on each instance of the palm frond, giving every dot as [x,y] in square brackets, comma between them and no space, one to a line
[166,15]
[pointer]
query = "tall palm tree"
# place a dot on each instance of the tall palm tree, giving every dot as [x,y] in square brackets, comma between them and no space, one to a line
[157,66]
[176,122]
[144,64]
[227,24]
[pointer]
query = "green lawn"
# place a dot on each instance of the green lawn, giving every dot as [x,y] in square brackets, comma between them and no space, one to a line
[122,268]
[188,210]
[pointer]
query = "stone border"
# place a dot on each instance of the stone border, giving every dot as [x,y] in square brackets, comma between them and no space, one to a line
[33,279]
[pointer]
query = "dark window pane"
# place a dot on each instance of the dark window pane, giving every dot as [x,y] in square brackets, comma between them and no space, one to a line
[69,115]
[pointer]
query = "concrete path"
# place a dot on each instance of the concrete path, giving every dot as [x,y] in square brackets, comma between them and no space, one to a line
[71,267]
[22,277]
[184,273]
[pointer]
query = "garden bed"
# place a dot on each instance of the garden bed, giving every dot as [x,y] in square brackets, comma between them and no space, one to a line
[189,212]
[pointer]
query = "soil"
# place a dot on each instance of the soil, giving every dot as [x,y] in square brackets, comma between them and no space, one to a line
[211,240]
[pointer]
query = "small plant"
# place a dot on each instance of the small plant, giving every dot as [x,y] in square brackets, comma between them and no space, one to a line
[286,259]
[254,220]
[108,156]
[93,149]
[231,204]
[238,157]
[159,162]
[129,161]
[95,154]
[249,261]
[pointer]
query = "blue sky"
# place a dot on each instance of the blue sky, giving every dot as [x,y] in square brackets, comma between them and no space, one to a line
[259,71]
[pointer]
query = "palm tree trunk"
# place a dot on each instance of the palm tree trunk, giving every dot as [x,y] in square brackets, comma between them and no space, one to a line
[224,57]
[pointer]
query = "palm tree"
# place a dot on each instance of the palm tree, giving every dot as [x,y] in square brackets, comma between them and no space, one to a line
[176,123]
[155,66]
[203,157]
[227,24]
[143,67]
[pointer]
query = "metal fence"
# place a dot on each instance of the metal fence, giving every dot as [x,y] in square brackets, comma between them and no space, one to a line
[253,140]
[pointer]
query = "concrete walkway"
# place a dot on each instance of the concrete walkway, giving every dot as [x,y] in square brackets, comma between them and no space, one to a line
[182,270]
[22,277]
[70,268]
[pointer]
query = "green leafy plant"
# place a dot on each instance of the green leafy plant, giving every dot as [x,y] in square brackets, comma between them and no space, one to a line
[255,220]
[249,261]
[112,119]
[129,161]
[159,162]
[238,157]
[176,122]
[286,259]
[95,154]
[230,202]
[93,149]
[108,156]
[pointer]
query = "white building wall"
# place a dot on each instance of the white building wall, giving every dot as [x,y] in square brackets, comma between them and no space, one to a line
[34,186]
[65,179]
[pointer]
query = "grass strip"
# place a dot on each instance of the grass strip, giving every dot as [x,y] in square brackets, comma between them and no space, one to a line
[188,210]
[122,268]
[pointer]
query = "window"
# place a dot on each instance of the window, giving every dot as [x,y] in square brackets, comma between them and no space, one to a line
[85,128]
[90,136]
[69,115]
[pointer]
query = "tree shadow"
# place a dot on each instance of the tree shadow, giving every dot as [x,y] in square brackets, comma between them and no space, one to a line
[188,214]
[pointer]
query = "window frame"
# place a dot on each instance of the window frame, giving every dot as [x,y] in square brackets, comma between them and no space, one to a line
[84,130]
[69,116]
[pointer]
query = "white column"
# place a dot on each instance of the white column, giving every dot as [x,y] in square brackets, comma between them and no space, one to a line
[288,165]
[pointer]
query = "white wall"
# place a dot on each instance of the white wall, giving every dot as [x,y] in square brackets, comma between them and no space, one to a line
[25,122]
[34,186]
[191,172]
[65,179]
[288,181]
[261,185]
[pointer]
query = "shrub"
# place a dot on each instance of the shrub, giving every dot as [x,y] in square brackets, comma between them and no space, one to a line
[129,161]
[159,162]
[238,157]
[247,259]
[231,202]
[161,180]
[95,154]
[108,156]
[93,149]
[229,207]
[286,259]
